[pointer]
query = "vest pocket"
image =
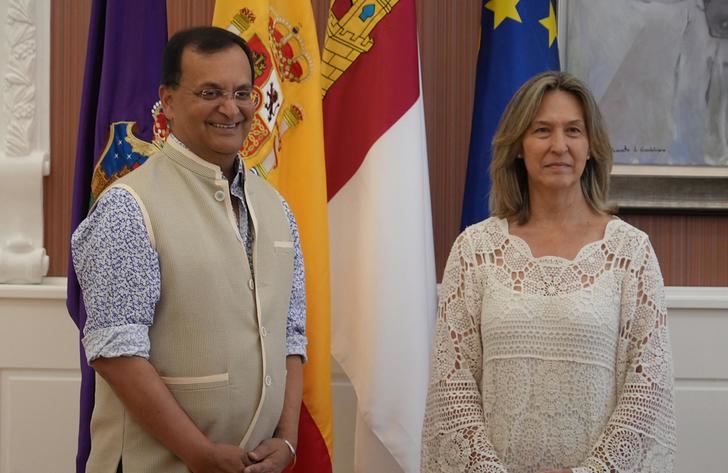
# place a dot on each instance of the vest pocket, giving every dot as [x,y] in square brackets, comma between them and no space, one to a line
[193,383]
[278,244]
[282,261]
[206,401]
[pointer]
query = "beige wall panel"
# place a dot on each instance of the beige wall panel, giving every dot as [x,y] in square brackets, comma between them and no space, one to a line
[702,414]
[698,320]
[709,360]
[39,413]
[39,379]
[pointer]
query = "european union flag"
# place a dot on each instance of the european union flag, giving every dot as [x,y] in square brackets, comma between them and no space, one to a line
[517,41]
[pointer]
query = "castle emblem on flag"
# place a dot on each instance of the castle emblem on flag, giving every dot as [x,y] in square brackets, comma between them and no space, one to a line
[350,36]
[281,57]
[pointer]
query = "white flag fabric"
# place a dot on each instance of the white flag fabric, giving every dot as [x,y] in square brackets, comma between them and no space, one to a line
[382,255]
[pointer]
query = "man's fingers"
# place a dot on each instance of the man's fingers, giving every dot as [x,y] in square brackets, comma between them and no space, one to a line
[271,456]
[247,461]
[263,450]
[266,466]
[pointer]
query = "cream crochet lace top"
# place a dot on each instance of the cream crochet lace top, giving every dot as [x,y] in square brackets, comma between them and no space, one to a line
[547,363]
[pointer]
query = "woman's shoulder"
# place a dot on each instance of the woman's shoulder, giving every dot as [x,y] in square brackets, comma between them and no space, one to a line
[480,237]
[625,236]
[625,229]
[489,225]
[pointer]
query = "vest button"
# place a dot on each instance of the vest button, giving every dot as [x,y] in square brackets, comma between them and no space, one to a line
[219,196]
[251,284]
[264,331]
[268,381]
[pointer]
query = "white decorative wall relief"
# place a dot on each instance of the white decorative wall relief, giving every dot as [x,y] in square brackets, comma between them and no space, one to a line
[24,138]
[19,91]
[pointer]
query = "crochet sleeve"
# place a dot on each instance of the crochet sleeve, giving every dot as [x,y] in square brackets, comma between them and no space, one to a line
[640,434]
[454,436]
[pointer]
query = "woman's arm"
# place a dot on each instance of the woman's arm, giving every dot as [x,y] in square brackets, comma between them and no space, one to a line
[640,434]
[454,433]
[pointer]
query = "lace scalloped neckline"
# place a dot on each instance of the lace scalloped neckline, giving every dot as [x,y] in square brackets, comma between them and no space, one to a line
[554,258]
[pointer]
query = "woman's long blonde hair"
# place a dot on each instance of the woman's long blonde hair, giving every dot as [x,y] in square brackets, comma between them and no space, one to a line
[509,197]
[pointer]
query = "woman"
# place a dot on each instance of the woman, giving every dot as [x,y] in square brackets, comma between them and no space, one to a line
[551,349]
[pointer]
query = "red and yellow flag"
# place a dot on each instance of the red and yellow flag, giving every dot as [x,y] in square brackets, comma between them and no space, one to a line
[285,145]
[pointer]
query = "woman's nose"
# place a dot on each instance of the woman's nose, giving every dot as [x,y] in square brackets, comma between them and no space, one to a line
[558,142]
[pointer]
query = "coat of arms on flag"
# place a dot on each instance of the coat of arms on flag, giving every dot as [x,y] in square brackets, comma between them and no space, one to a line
[125,152]
[349,36]
[286,60]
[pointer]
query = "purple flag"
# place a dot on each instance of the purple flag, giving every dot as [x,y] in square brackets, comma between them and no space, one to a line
[121,82]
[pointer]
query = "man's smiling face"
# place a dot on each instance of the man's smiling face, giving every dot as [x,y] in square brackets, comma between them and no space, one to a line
[213,129]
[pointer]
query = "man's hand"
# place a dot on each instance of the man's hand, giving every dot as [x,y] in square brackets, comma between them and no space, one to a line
[220,458]
[141,390]
[271,456]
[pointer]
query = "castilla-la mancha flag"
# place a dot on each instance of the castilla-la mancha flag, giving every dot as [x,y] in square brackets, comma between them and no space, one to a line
[382,257]
[285,145]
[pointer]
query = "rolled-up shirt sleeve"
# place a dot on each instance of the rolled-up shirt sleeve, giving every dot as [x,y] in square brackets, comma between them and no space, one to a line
[118,271]
[296,325]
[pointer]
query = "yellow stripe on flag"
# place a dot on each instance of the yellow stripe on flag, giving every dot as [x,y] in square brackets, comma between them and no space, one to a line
[286,146]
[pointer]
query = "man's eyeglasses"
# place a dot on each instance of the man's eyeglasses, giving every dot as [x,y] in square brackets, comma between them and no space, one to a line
[212,94]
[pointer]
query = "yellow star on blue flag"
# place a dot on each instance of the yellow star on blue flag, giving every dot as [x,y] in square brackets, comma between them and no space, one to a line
[550,24]
[503,9]
[515,44]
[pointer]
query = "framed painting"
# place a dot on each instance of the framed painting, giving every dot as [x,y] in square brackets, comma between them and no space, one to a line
[659,71]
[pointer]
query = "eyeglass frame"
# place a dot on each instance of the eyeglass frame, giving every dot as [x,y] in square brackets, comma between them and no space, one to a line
[220,94]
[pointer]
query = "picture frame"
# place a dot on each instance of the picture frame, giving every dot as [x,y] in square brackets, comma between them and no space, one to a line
[671,153]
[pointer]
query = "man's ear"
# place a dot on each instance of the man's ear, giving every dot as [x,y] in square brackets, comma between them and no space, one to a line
[166,96]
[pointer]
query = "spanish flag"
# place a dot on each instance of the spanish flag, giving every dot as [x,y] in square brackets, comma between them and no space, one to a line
[285,145]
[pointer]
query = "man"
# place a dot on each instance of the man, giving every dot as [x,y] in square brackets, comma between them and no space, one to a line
[192,278]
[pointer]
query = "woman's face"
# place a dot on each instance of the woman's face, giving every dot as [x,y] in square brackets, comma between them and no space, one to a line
[555,145]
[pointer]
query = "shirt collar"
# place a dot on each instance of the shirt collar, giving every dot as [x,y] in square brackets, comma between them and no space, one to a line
[238,167]
[237,187]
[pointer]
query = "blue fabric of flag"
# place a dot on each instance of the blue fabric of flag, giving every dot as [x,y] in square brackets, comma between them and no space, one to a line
[121,82]
[510,53]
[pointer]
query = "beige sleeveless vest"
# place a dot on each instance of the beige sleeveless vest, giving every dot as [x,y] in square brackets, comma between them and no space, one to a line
[219,335]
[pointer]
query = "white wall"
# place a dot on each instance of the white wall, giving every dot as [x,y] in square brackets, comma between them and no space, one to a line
[699,332]
[39,381]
